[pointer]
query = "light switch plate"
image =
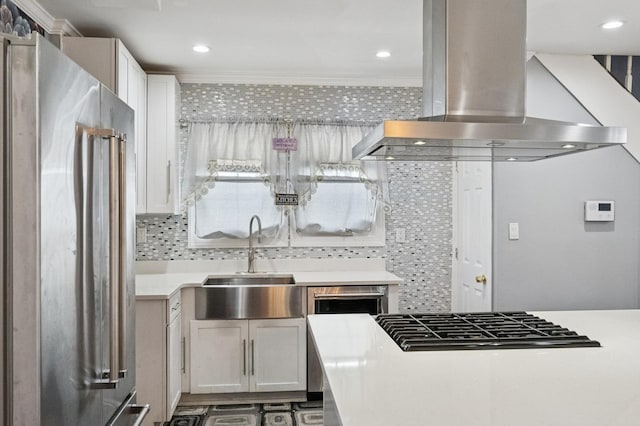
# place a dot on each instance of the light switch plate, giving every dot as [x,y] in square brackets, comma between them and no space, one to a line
[141,235]
[514,231]
[400,235]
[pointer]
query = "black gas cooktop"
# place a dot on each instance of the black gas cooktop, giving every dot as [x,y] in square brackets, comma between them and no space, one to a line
[491,330]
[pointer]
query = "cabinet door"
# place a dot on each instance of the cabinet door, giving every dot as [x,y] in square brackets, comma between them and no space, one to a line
[123,74]
[96,55]
[277,352]
[219,356]
[139,92]
[174,364]
[162,166]
[151,350]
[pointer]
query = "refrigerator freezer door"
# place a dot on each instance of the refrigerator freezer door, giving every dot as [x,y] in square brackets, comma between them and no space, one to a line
[130,413]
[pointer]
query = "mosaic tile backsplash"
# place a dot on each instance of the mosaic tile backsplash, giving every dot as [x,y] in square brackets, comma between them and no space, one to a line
[420,192]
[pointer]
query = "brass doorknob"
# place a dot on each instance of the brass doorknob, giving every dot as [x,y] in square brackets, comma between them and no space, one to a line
[481,279]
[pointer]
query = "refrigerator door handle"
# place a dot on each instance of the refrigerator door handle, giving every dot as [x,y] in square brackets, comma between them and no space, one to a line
[121,141]
[108,378]
[114,257]
[124,414]
[117,278]
[142,411]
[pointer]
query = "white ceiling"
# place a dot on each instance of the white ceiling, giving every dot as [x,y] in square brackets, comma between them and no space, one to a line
[319,42]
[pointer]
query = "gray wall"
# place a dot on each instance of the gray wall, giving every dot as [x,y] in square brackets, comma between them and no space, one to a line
[420,192]
[561,262]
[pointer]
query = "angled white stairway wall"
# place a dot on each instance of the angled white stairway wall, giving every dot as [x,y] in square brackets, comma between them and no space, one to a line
[598,92]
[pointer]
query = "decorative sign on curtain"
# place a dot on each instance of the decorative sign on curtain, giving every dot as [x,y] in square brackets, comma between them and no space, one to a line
[286,199]
[285,144]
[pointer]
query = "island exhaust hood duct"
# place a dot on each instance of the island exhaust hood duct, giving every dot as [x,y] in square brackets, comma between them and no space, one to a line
[474,81]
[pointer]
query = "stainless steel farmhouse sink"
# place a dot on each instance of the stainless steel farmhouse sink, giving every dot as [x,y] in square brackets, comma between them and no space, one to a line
[246,279]
[249,296]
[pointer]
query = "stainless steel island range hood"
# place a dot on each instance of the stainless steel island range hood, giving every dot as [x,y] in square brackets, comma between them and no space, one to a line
[474,81]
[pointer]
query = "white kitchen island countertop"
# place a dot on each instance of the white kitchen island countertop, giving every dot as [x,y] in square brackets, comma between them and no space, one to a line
[373,382]
[163,286]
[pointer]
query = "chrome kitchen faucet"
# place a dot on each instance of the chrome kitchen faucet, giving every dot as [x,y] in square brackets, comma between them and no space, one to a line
[252,251]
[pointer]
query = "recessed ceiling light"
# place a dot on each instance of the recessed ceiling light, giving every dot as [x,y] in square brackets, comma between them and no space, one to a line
[568,146]
[419,143]
[389,158]
[201,48]
[511,159]
[611,25]
[383,54]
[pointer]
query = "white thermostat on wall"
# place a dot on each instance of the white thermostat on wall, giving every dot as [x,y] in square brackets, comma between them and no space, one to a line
[599,211]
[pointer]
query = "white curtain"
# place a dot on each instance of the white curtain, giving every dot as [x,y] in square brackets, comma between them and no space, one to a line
[231,172]
[225,212]
[338,196]
[235,146]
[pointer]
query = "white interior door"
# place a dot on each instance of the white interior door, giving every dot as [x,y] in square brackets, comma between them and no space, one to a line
[471,290]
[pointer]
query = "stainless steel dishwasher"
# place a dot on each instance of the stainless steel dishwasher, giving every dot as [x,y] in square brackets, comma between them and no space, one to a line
[353,299]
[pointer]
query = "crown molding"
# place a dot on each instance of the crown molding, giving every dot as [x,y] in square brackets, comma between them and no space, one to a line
[64,27]
[45,19]
[298,79]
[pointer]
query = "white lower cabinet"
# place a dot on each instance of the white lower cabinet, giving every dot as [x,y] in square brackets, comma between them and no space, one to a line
[248,355]
[175,364]
[219,356]
[278,355]
[159,356]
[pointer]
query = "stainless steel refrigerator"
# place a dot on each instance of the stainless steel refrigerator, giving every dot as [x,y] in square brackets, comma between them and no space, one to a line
[68,175]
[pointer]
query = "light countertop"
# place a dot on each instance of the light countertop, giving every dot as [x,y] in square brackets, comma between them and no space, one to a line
[163,286]
[373,382]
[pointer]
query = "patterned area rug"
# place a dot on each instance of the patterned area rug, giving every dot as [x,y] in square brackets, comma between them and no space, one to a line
[280,414]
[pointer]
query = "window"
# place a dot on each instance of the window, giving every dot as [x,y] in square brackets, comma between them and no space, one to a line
[342,207]
[232,173]
[236,190]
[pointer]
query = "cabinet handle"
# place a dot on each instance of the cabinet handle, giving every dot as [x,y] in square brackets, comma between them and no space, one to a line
[168,180]
[175,307]
[184,354]
[252,358]
[244,357]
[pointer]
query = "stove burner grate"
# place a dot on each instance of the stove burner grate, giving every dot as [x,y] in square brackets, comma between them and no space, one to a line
[487,330]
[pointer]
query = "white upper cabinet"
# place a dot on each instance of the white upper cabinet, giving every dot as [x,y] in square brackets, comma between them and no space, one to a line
[161,187]
[108,60]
